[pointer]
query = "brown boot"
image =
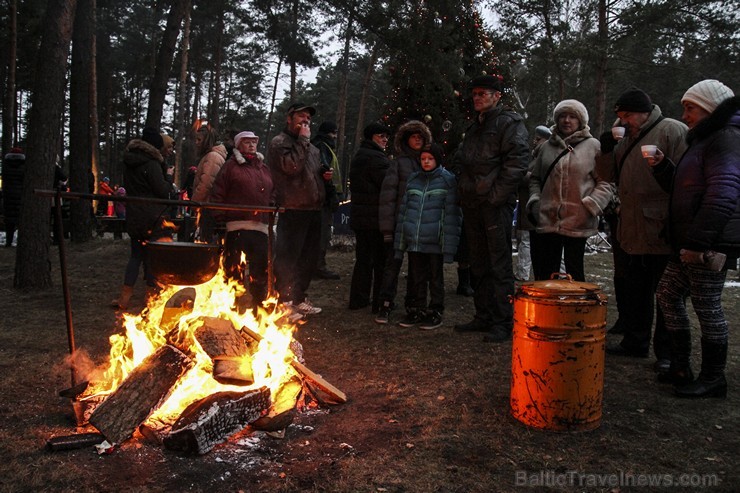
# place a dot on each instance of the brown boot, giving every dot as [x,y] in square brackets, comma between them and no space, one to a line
[124,298]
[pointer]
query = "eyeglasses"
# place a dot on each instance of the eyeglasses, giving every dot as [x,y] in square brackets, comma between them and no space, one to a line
[481,94]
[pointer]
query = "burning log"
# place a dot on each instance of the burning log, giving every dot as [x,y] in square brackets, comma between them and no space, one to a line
[144,389]
[72,442]
[337,395]
[283,408]
[210,421]
[181,303]
[227,350]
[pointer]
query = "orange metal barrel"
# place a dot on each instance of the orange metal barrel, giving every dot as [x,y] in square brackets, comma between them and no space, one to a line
[557,370]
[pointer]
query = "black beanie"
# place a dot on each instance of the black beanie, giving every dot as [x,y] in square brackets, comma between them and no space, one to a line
[436,151]
[328,128]
[634,100]
[151,135]
[374,129]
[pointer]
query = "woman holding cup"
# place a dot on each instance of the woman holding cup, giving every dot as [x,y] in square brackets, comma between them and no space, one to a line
[704,231]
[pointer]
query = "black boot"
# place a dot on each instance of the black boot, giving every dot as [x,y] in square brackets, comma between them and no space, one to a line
[680,372]
[711,381]
[463,282]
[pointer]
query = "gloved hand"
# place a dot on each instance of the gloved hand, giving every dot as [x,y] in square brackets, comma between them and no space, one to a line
[533,213]
[692,257]
[608,142]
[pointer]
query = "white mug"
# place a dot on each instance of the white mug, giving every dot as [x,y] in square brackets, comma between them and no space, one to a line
[648,151]
[618,133]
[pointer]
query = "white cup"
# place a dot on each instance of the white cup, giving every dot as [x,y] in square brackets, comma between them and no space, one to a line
[618,133]
[648,151]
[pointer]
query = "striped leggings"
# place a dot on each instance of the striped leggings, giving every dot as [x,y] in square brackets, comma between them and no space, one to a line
[705,288]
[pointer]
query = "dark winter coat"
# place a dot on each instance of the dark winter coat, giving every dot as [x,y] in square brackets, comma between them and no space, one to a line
[430,219]
[366,174]
[144,177]
[492,159]
[326,146]
[14,167]
[296,172]
[243,181]
[394,183]
[705,185]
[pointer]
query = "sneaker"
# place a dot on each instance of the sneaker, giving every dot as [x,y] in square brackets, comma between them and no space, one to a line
[431,320]
[384,314]
[305,307]
[292,312]
[412,318]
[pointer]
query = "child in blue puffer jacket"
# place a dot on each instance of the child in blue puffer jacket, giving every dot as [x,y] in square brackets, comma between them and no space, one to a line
[428,228]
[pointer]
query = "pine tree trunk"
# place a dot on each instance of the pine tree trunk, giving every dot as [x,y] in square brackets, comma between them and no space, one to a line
[158,89]
[81,108]
[33,263]
[342,101]
[10,94]
[601,68]
[183,93]
[366,82]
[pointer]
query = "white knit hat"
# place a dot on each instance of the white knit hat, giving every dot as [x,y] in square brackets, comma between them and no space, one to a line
[244,135]
[572,106]
[708,94]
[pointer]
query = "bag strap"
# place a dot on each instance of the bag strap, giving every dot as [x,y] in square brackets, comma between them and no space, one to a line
[552,165]
[633,144]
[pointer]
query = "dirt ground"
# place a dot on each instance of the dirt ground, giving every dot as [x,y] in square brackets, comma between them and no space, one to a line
[427,411]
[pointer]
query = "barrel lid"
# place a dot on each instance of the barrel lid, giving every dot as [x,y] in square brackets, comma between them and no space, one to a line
[560,286]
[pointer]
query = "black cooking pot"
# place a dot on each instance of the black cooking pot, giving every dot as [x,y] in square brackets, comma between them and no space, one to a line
[181,263]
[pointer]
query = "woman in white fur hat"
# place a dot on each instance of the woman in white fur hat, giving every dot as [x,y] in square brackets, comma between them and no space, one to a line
[567,196]
[704,231]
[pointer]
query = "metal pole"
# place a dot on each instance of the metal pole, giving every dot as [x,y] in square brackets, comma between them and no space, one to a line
[65,285]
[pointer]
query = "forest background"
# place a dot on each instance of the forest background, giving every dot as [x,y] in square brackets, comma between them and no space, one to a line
[81,78]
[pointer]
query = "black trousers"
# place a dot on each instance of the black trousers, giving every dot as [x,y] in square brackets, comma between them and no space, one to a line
[367,274]
[488,230]
[426,274]
[296,253]
[643,272]
[252,276]
[391,271]
[551,247]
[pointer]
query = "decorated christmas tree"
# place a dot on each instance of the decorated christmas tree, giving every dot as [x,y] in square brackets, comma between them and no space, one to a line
[429,68]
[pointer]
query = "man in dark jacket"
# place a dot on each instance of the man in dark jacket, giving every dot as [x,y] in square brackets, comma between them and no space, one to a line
[144,176]
[299,187]
[14,167]
[366,174]
[492,160]
[326,142]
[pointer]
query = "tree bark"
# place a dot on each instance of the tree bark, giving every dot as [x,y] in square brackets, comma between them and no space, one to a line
[10,95]
[82,108]
[158,89]
[342,101]
[33,265]
[601,68]
[183,93]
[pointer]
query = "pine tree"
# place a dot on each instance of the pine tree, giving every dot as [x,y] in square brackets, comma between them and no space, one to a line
[431,64]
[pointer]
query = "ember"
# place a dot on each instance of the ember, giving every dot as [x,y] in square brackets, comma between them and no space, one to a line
[192,369]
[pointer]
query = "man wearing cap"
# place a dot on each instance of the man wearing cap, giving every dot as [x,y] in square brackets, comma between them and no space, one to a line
[642,216]
[492,160]
[299,187]
[245,180]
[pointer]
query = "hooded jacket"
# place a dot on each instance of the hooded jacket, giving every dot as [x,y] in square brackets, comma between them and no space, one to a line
[296,172]
[208,169]
[366,174]
[644,204]
[144,177]
[492,159]
[573,196]
[394,183]
[429,219]
[705,185]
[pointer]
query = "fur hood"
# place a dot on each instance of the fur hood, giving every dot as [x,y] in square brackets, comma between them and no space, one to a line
[403,133]
[146,148]
[727,113]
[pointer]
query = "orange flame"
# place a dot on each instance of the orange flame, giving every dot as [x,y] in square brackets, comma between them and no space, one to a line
[147,332]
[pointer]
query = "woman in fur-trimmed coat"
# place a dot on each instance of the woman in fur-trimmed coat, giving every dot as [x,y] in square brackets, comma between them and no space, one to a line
[566,200]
